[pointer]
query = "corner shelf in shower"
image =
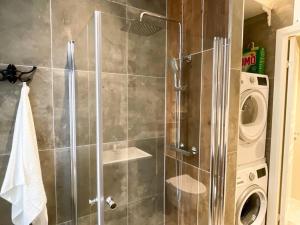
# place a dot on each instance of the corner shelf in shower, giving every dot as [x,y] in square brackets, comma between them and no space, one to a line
[124,155]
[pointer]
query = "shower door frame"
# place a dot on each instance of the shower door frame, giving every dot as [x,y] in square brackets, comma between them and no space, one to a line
[278,122]
[99,126]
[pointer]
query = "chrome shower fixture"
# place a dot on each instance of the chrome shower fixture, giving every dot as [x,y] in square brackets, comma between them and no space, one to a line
[143,14]
[178,87]
[176,75]
[141,28]
[156,16]
[174,65]
[175,70]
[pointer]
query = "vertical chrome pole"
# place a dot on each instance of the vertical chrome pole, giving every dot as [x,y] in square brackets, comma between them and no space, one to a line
[99,141]
[219,129]
[213,134]
[72,114]
[225,122]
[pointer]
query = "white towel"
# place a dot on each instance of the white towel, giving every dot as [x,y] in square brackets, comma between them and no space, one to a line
[23,186]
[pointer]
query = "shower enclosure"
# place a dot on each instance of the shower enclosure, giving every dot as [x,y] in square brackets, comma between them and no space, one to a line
[139,140]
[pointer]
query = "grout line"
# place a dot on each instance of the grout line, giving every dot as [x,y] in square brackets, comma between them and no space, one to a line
[149,76]
[65,149]
[200,99]
[39,150]
[21,65]
[198,197]
[131,74]
[127,113]
[165,117]
[138,139]
[202,25]
[195,167]
[86,71]
[239,69]
[49,149]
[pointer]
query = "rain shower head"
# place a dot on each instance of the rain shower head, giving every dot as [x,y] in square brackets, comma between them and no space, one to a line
[141,28]
[147,27]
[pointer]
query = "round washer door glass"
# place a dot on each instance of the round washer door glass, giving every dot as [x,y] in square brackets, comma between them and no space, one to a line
[253,115]
[252,207]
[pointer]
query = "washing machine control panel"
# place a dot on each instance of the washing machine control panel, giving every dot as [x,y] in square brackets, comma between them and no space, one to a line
[261,172]
[262,81]
[251,176]
[254,80]
[246,178]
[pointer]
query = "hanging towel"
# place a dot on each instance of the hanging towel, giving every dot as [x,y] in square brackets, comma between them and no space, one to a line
[23,186]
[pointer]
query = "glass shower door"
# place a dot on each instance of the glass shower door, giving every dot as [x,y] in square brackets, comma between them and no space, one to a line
[131,72]
[84,127]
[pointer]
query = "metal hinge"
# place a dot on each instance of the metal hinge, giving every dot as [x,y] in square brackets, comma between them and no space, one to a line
[93,201]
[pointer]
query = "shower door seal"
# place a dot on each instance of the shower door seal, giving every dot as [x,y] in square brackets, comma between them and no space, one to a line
[219,129]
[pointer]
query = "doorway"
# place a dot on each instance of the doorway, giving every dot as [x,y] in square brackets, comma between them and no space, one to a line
[284,186]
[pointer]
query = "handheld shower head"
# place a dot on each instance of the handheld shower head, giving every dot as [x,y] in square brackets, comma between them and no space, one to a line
[175,70]
[174,65]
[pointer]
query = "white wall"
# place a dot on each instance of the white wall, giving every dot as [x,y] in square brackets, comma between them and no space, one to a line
[296,156]
[297,11]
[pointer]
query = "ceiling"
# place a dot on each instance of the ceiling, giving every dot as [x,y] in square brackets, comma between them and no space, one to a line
[255,7]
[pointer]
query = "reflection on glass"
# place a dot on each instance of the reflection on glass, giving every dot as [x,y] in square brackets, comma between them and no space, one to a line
[249,111]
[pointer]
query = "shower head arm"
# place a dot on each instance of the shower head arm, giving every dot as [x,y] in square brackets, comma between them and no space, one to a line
[155,15]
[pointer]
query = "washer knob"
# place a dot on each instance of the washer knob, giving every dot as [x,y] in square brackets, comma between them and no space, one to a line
[251,176]
[252,80]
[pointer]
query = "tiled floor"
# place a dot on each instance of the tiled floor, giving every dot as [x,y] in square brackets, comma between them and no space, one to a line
[293,213]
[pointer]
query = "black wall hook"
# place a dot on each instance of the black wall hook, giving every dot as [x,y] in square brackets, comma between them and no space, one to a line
[12,74]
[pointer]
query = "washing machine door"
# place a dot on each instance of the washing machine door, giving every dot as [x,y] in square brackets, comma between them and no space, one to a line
[253,115]
[251,207]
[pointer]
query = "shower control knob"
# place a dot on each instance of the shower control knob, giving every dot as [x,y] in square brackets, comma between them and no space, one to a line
[110,202]
[251,176]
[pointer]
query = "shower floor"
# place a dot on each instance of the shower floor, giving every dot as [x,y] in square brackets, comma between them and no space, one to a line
[293,212]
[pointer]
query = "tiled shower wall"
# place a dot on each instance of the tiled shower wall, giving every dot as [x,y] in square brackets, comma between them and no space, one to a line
[202,21]
[257,30]
[35,33]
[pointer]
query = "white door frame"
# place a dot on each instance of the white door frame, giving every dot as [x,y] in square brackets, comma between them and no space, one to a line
[277,137]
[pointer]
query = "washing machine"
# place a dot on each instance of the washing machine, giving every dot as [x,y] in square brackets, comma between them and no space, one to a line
[251,194]
[254,95]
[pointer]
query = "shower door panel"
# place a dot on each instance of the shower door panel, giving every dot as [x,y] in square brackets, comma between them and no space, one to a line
[84,126]
[132,108]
